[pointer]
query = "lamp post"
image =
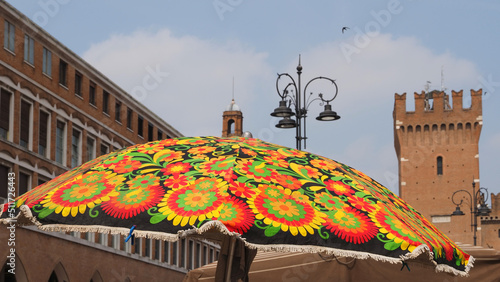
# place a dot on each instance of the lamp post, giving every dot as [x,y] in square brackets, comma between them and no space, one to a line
[477,203]
[292,94]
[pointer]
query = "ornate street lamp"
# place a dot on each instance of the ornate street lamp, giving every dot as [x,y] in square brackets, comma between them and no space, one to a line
[477,203]
[292,94]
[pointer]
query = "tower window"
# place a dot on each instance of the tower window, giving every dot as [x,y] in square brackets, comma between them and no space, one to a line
[230,127]
[439,165]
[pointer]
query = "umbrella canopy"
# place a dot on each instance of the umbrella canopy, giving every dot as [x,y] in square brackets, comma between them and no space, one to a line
[270,197]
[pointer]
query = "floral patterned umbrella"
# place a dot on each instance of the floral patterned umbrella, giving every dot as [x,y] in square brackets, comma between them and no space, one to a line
[271,197]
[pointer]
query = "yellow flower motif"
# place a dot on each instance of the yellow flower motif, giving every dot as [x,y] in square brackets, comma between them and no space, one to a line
[196,199]
[285,208]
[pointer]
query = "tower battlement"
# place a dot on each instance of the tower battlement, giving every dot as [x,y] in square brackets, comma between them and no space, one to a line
[437,102]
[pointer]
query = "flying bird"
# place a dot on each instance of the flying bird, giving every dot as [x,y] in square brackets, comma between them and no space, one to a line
[344,29]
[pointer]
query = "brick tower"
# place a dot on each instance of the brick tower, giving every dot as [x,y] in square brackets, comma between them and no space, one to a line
[232,121]
[438,154]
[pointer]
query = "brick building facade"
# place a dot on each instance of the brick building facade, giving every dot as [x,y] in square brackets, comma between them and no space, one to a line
[57,112]
[437,146]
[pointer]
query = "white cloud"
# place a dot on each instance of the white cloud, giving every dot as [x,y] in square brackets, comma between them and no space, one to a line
[199,82]
[194,95]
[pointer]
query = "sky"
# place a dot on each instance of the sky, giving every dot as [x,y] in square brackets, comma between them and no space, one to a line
[180,58]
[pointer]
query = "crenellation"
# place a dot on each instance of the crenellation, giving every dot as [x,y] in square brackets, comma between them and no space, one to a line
[457,98]
[419,102]
[438,101]
[476,100]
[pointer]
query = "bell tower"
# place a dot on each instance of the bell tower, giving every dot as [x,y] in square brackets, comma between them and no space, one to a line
[437,147]
[232,121]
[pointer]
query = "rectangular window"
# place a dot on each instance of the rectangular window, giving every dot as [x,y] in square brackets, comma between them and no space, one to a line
[63,73]
[129,118]
[90,148]
[190,255]
[137,249]
[156,250]
[29,49]
[182,255]
[47,62]
[60,142]
[25,131]
[75,148]
[175,250]
[197,256]
[166,251]
[105,102]
[150,132]
[43,133]
[147,248]
[204,256]
[90,236]
[104,149]
[24,183]
[115,241]
[118,109]
[4,184]
[5,114]
[140,126]
[92,94]
[160,135]
[78,84]
[9,36]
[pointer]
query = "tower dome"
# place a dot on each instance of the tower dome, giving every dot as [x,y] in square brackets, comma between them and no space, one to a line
[233,107]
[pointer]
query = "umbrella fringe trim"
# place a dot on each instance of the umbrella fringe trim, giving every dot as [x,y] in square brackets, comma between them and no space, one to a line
[25,217]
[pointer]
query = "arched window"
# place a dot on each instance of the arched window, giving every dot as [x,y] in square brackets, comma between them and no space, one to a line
[439,165]
[58,274]
[230,127]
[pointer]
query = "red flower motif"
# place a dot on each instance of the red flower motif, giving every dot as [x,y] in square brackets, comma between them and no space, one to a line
[324,164]
[168,142]
[338,187]
[126,166]
[150,148]
[176,168]
[131,202]
[281,162]
[288,181]
[249,152]
[201,150]
[351,225]
[236,215]
[241,190]
[256,170]
[362,204]
[176,181]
